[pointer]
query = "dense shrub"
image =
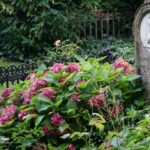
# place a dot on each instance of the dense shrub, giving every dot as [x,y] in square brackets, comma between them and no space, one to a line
[29,28]
[68,107]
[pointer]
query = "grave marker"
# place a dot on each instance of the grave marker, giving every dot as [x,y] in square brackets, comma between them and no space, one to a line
[141,29]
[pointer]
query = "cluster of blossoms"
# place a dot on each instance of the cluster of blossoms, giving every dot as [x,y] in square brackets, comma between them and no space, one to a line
[4,119]
[56,68]
[116,110]
[24,113]
[97,100]
[9,110]
[73,68]
[37,83]
[7,114]
[57,43]
[49,93]
[71,147]
[76,98]
[6,93]
[57,120]
[127,68]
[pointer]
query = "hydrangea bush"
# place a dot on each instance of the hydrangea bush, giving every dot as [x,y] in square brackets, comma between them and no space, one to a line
[68,107]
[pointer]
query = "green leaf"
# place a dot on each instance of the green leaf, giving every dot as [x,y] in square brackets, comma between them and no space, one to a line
[58,102]
[63,127]
[45,99]
[134,77]
[42,107]
[78,135]
[30,116]
[65,136]
[38,120]
[98,121]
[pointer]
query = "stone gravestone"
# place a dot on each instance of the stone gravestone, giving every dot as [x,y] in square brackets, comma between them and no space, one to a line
[141,29]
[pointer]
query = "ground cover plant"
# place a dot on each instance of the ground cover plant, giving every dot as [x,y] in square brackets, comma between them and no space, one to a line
[70,107]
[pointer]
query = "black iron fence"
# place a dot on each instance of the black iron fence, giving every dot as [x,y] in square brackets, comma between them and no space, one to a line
[14,74]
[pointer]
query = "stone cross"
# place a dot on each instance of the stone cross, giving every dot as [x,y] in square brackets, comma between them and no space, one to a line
[141,29]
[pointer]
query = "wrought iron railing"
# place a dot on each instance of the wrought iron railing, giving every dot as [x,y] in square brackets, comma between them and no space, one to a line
[15,74]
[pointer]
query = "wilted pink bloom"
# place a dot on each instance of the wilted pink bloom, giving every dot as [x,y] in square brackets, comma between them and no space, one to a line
[24,113]
[71,147]
[78,83]
[49,93]
[7,92]
[57,120]
[45,73]
[97,100]
[1,99]
[4,119]
[72,68]
[9,110]
[31,76]
[108,144]
[61,80]
[47,131]
[75,97]
[116,110]
[40,146]
[57,43]
[120,63]
[56,68]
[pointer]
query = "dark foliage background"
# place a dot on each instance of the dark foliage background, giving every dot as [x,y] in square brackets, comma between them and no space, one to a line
[28,28]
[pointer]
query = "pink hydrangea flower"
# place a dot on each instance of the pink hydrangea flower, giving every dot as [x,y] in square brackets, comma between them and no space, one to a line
[71,147]
[73,68]
[57,120]
[75,97]
[78,83]
[9,110]
[7,92]
[39,83]
[24,113]
[57,43]
[57,68]
[31,76]
[4,119]
[49,93]
[47,131]
[97,100]
[120,63]
[28,95]
[116,110]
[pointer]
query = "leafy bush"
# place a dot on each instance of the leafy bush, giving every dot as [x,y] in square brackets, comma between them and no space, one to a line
[29,28]
[136,137]
[118,48]
[68,107]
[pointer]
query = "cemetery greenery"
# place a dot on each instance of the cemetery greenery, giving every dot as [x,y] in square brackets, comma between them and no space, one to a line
[29,28]
[85,105]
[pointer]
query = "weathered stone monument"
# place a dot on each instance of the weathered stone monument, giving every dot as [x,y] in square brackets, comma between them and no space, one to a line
[141,29]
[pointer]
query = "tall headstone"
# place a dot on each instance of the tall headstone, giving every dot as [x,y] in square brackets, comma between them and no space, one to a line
[141,29]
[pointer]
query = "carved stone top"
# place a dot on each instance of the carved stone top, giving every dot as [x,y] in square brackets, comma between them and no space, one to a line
[147,1]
